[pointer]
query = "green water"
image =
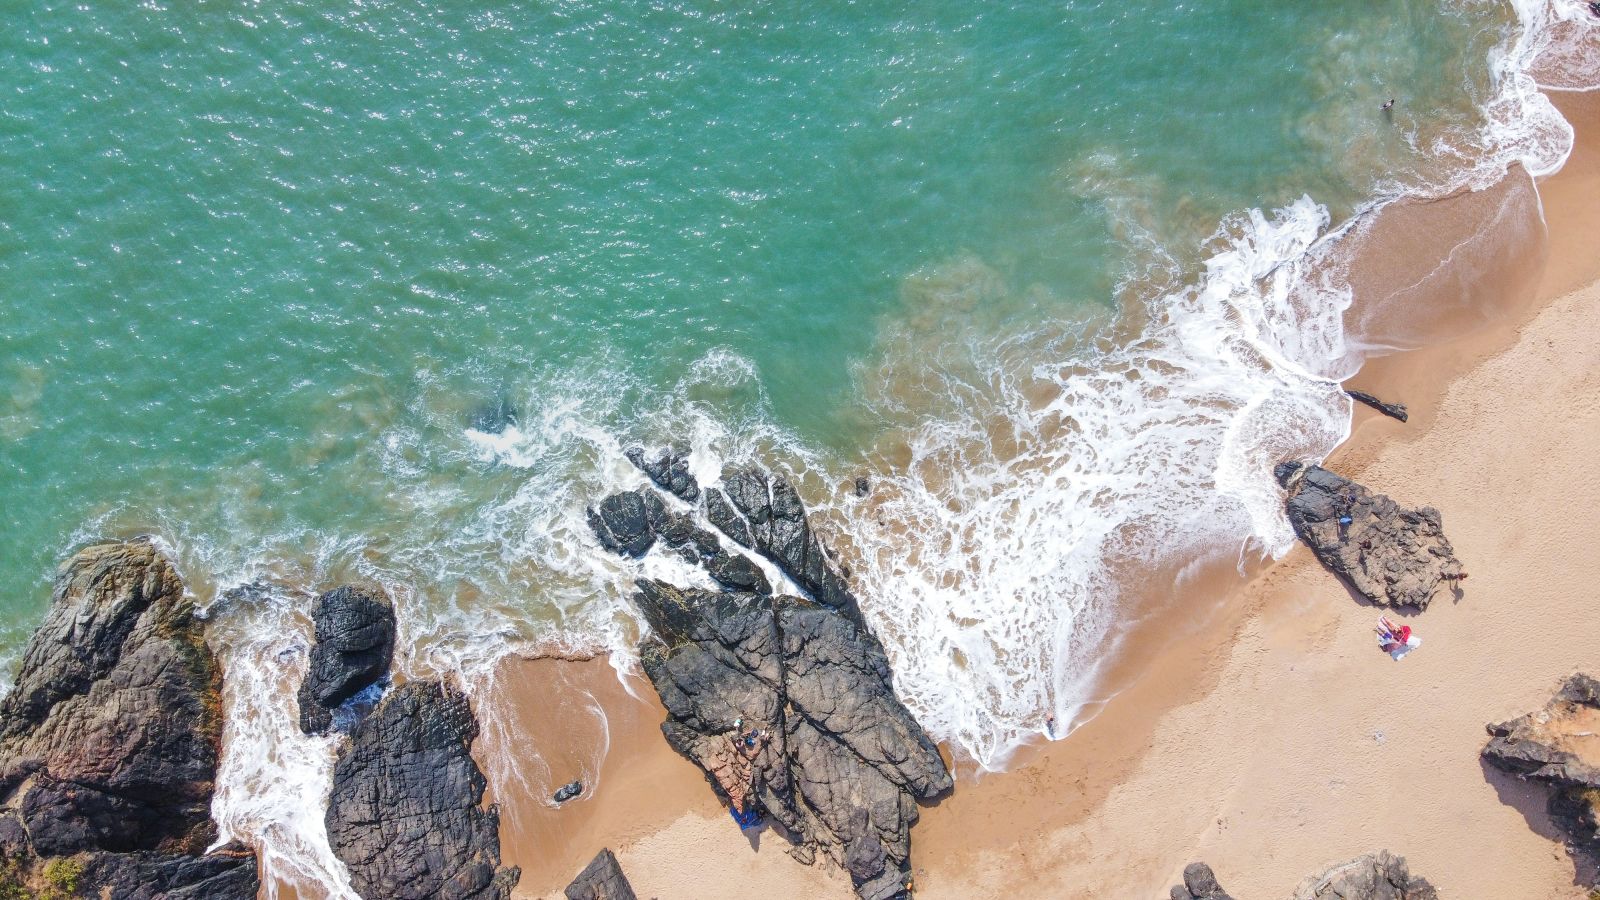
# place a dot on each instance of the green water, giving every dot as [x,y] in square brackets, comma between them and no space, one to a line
[259,262]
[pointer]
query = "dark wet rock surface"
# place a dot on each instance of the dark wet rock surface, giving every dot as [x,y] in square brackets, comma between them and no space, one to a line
[110,738]
[354,645]
[1559,745]
[601,879]
[669,469]
[1392,410]
[627,523]
[1372,876]
[405,815]
[1391,555]
[786,702]
[1199,883]
[567,791]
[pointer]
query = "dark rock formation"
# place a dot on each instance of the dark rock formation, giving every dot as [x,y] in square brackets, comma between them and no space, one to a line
[669,470]
[109,740]
[1199,883]
[766,515]
[786,703]
[832,755]
[355,641]
[1559,746]
[863,486]
[601,879]
[406,815]
[1392,410]
[1379,875]
[1390,555]
[627,523]
[567,791]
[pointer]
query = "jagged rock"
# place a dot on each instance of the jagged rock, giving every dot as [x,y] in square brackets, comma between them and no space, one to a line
[1199,883]
[1559,746]
[601,879]
[354,643]
[567,791]
[766,515]
[669,470]
[838,761]
[627,522]
[1379,875]
[1392,410]
[1391,555]
[109,739]
[405,814]
[863,486]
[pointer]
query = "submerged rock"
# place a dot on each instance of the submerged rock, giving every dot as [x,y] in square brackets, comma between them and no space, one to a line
[601,879]
[405,815]
[669,469]
[495,416]
[1390,555]
[1558,745]
[785,702]
[109,739]
[1199,883]
[354,644]
[1392,410]
[1379,875]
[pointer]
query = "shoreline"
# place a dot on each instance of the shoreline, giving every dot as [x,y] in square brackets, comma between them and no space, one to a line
[1084,806]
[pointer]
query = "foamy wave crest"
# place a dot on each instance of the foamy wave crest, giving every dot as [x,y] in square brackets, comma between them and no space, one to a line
[992,559]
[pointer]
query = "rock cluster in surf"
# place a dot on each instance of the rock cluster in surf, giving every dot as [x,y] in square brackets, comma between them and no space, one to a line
[354,629]
[601,879]
[1558,746]
[1391,555]
[110,738]
[1379,875]
[785,702]
[406,813]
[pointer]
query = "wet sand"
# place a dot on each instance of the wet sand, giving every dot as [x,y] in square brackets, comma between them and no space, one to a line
[1257,727]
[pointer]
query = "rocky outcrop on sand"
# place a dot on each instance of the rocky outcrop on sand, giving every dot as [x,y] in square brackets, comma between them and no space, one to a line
[406,815]
[1199,883]
[1392,410]
[109,739]
[354,644]
[1372,876]
[784,701]
[1559,745]
[601,879]
[1379,875]
[1391,555]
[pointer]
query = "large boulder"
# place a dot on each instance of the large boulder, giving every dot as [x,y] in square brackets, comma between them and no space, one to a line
[1388,554]
[1379,875]
[406,815]
[602,879]
[669,469]
[1199,883]
[110,738]
[354,644]
[1558,746]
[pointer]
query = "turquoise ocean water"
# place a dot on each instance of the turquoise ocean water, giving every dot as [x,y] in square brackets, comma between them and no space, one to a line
[261,263]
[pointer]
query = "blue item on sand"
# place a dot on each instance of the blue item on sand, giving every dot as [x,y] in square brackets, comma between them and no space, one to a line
[750,818]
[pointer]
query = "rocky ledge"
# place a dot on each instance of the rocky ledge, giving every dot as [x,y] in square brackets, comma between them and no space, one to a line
[406,815]
[1388,554]
[1379,875]
[785,702]
[1559,745]
[601,879]
[109,741]
[354,645]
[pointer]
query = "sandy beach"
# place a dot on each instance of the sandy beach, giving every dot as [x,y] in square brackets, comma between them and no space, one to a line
[1266,735]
